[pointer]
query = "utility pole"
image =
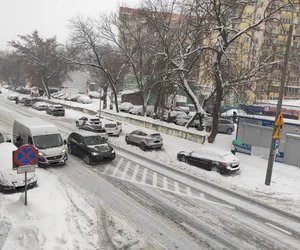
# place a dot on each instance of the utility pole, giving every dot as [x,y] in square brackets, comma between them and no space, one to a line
[280,99]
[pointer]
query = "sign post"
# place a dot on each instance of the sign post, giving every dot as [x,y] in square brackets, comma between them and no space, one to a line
[24,159]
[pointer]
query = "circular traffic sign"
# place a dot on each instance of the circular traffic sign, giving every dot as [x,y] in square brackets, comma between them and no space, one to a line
[26,155]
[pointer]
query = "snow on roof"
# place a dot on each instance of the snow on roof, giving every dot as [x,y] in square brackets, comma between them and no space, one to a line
[270,118]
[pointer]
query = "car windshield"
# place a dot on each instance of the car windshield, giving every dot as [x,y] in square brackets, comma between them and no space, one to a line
[93,140]
[47,141]
[110,125]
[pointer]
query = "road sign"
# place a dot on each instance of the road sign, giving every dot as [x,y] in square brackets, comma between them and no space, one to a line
[26,155]
[276,143]
[279,120]
[277,133]
[27,169]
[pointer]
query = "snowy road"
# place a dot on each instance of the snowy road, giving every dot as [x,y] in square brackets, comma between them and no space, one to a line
[172,210]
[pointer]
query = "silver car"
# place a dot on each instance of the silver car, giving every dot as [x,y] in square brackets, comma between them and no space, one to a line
[225,126]
[144,140]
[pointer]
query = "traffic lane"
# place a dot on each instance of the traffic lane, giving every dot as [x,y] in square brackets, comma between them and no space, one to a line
[233,222]
[248,208]
[153,226]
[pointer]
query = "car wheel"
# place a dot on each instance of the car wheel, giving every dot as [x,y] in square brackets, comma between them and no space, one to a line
[229,131]
[143,146]
[87,159]
[215,168]
[183,158]
[127,140]
[208,129]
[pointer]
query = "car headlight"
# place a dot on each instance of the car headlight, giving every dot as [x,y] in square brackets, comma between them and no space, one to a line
[94,153]
[113,151]
[64,151]
[41,154]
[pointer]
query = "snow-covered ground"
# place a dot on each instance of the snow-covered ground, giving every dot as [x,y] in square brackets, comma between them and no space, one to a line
[52,219]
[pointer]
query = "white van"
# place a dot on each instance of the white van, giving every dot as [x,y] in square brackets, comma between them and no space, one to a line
[44,136]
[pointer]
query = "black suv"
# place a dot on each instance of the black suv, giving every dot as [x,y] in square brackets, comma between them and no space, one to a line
[90,147]
[55,110]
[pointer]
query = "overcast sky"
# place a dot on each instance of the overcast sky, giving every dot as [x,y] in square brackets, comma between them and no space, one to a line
[49,17]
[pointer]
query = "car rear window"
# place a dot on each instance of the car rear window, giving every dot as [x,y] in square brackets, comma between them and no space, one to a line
[110,125]
[155,135]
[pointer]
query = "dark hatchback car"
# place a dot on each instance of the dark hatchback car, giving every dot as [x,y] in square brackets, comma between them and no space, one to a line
[55,110]
[90,147]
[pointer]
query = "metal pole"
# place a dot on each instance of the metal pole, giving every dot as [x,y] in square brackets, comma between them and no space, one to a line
[280,99]
[25,188]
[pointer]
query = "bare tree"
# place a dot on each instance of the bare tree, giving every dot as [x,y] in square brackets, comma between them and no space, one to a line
[12,70]
[44,58]
[209,33]
[90,49]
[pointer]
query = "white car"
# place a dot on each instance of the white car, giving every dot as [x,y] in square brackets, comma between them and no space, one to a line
[94,94]
[113,128]
[10,180]
[40,106]
[88,121]
[84,99]
[125,106]
[136,110]
[12,96]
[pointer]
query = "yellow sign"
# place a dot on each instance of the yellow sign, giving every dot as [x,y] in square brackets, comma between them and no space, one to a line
[279,120]
[277,133]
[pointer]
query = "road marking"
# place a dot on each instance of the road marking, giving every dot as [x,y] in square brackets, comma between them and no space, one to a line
[125,170]
[188,191]
[136,170]
[144,175]
[106,169]
[118,166]
[165,182]
[154,179]
[176,187]
[278,228]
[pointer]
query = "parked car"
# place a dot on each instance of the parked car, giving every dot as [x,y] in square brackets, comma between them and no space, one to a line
[88,121]
[10,180]
[28,101]
[182,120]
[40,106]
[73,97]
[12,97]
[94,95]
[84,99]
[136,110]
[220,161]
[225,126]
[90,147]
[125,107]
[62,97]
[95,129]
[56,95]
[174,115]
[144,140]
[113,128]
[55,110]
[150,111]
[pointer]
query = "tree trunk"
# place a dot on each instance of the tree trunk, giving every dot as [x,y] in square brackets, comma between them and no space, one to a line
[115,96]
[155,115]
[105,97]
[217,105]
[46,89]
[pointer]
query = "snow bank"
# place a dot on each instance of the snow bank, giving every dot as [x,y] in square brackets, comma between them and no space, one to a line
[51,220]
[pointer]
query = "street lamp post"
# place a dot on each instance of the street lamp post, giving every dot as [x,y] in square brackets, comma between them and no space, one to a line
[280,99]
